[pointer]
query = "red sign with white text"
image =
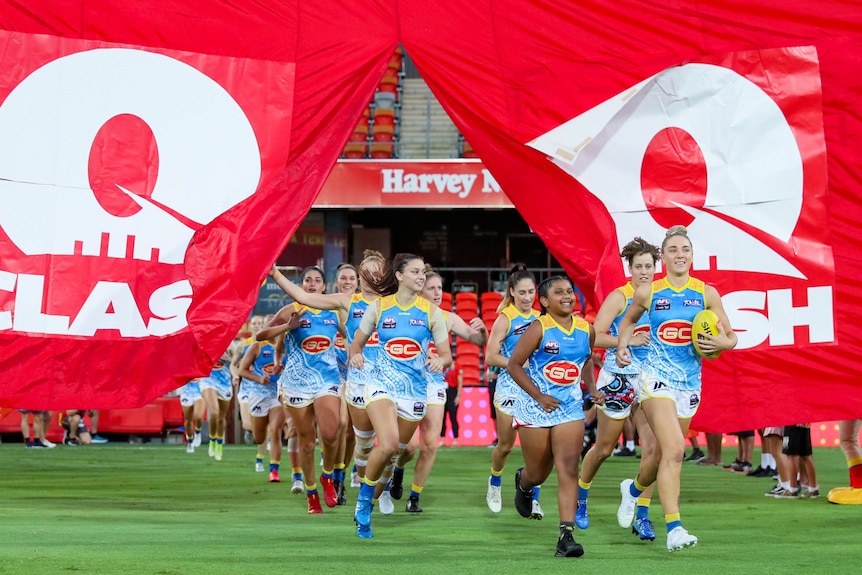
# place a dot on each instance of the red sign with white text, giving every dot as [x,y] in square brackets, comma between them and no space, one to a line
[411,184]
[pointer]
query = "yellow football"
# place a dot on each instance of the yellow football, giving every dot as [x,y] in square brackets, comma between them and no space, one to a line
[705,322]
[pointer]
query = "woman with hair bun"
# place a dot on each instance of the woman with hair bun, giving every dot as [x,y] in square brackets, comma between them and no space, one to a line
[350,308]
[669,385]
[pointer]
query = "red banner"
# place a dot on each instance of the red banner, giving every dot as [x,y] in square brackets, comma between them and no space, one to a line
[410,184]
[506,80]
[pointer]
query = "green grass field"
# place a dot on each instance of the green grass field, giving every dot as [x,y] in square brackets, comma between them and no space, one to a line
[121,508]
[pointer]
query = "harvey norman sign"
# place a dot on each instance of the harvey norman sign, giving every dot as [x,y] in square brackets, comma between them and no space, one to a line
[396,183]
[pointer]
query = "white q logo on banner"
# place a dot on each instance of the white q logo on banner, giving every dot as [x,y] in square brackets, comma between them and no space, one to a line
[751,159]
[208,161]
[208,155]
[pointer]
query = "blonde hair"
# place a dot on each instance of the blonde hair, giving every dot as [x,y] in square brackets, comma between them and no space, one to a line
[675,231]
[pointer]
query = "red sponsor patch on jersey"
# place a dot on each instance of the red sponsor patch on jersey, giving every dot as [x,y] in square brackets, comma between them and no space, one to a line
[675,332]
[562,372]
[403,348]
[315,344]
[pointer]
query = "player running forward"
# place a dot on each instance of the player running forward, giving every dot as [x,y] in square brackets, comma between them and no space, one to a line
[516,313]
[261,366]
[396,392]
[669,385]
[550,420]
[617,384]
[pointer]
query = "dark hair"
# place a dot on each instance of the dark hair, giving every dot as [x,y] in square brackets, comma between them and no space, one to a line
[516,274]
[387,284]
[543,288]
[637,247]
[310,269]
[675,231]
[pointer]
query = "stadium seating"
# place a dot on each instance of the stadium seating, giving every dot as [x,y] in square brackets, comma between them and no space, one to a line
[382,150]
[446,303]
[355,150]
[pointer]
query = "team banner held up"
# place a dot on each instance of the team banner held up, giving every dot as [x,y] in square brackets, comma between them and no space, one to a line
[598,125]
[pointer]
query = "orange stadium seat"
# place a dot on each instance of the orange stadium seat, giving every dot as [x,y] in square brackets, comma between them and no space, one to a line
[490,300]
[355,150]
[446,303]
[172,411]
[467,349]
[384,117]
[472,374]
[382,150]
[467,300]
[149,419]
[383,133]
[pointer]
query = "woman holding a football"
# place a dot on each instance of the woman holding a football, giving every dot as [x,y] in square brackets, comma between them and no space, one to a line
[669,385]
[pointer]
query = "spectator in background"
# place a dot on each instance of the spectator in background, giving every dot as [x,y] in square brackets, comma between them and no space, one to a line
[696,453]
[802,477]
[41,421]
[193,412]
[76,432]
[742,463]
[713,450]
[94,427]
[455,383]
[848,430]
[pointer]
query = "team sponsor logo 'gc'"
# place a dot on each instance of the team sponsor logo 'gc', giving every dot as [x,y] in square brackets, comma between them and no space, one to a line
[675,332]
[562,372]
[403,348]
[316,344]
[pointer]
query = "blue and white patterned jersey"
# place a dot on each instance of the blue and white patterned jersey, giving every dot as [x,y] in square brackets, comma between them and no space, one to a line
[219,378]
[555,367]
[671,357]
[404,335]
[264,363]
[309,362]
[518,323]
[638,352]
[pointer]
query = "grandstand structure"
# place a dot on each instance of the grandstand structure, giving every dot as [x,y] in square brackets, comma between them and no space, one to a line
[405,120]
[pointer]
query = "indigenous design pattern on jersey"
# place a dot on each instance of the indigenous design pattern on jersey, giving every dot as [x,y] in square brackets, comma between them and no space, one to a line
[219,378]
[357,379]
[190,393]
[518,323]
[264,363]
[243,392]
[404,337]
[437,381]
[671,357]
[555,367]
[309,360]
[355,313]
[638,352]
